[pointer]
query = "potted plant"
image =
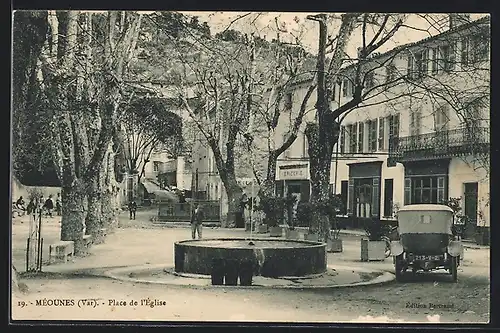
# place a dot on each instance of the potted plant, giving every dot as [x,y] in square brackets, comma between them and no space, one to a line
[334,242]
[273,208]
[374,247]
[304,216]
[290,232]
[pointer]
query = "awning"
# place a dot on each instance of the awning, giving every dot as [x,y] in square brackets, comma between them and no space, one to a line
[150,186]
[158,192]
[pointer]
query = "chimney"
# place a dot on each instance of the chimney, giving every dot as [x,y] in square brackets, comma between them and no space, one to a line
[458,19]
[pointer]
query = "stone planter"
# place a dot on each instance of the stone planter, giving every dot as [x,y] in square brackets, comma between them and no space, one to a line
[334,245]
[275,231]
[292,234]
[312,237]
[372,250]
[262,229]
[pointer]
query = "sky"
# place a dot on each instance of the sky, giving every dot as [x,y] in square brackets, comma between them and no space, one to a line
[297,24]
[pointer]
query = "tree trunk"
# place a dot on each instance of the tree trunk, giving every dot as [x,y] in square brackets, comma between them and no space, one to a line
[267,188]
[73,214]
[321,144]
[94,219]
[109,200]
[234,193]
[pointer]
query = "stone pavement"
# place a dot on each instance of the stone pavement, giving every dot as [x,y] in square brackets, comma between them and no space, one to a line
[138,244]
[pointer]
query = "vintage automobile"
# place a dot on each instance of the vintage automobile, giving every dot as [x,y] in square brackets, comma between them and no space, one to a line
[426,241]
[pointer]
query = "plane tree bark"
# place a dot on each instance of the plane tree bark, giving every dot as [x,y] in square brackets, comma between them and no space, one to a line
[80,150]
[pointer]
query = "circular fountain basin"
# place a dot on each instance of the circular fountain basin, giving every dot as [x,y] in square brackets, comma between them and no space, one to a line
[271,257]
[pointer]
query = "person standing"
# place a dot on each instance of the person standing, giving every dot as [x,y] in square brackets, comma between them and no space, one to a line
[58,205]
[49,205]
[197,221]
[240,214]
[132,208]
[20,206]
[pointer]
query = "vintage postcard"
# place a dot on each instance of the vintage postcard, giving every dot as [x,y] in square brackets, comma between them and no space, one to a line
[250,167]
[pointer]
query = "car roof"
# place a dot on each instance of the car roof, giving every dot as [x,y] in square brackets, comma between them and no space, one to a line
[431,207]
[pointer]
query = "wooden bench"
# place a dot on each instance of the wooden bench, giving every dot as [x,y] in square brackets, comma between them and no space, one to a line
[61,250]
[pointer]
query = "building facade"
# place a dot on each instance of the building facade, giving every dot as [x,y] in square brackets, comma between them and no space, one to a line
[423,135]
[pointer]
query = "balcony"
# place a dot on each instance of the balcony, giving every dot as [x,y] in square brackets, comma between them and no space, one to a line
[443,144]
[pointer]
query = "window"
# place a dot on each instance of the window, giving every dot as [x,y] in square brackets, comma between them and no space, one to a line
[447,57]
[342,139]
[369,80]
[361,136]
[410,67]
[381,138]
[480,47]
[156,166]
[464,53]
[334,89]
[441,119]
[372,135]
[472,120]
[353,132]
[415,122]
[435,65]
[422,59]
[415,126]
[353,87]
[345,87]
[288,101]
[393,129]
[427,190]
[390,73]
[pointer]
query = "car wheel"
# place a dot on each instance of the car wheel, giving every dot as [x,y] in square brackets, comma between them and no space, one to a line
[454,269]
[399,268]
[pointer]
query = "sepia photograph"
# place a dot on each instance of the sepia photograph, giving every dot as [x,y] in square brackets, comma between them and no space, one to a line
[250,167]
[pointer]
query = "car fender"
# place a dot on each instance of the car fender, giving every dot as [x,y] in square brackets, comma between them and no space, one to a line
[455,248]
[396,248]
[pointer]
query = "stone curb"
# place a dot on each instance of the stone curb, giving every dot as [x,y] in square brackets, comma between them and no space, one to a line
[384,278]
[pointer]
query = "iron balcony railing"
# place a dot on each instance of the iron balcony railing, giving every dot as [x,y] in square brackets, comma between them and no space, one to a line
[456,142]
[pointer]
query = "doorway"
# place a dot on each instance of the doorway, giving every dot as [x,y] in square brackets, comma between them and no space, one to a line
[363,197]
[388,197]
[470,208]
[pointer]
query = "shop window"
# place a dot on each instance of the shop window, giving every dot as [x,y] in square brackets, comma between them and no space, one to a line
[425,190]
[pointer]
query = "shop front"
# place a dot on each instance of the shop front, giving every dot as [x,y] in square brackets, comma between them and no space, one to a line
[294,179]
[364,192]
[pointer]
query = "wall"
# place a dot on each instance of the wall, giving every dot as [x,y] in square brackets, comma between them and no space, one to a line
[18,189]
[462,171]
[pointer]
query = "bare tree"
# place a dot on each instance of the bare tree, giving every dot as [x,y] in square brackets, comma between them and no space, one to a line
[91,44]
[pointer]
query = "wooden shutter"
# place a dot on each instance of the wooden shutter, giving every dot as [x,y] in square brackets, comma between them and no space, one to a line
[407,191]
[381,138]
[440,190]
[376,196]
[361,136]
[350,197]
[342,139]
[410,66]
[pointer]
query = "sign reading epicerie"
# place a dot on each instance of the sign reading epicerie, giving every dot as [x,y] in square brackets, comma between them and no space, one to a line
[293,171]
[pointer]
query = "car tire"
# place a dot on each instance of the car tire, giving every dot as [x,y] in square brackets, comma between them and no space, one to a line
[454,269]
